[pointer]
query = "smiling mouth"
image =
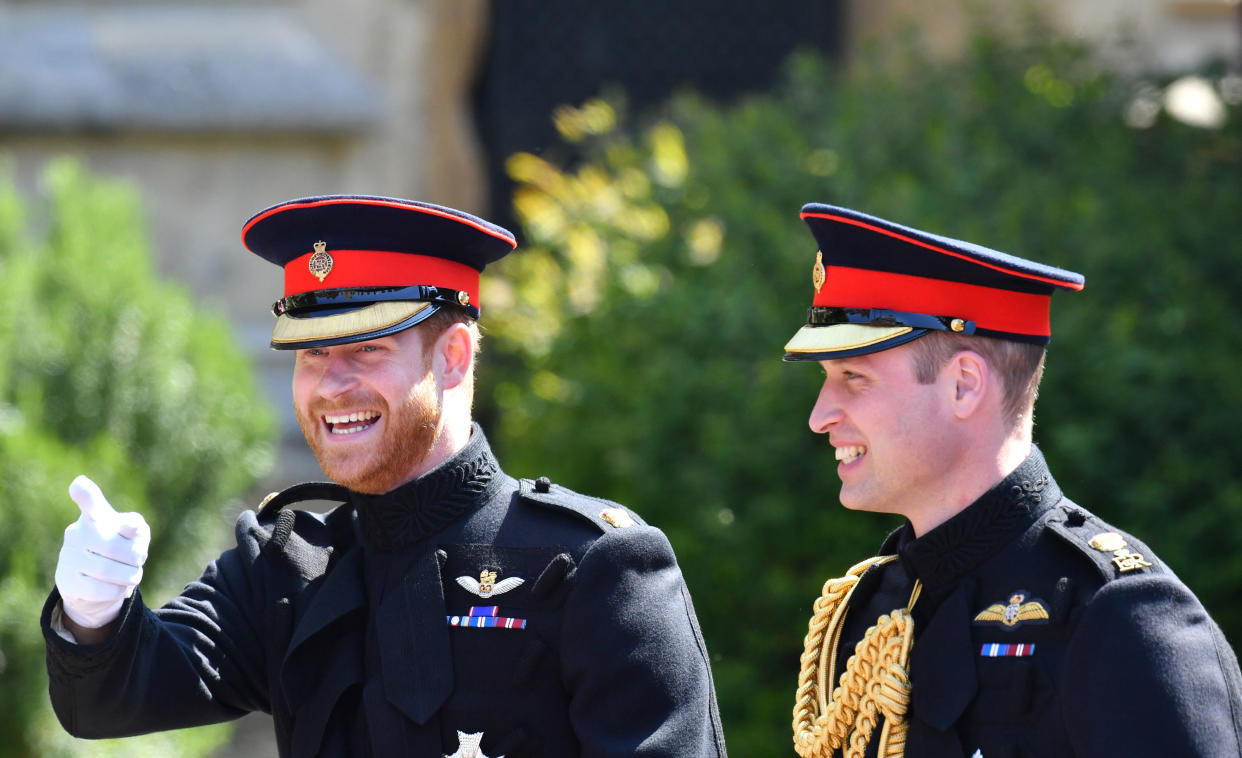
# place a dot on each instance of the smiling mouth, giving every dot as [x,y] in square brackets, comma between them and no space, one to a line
[850,453]
[351,423]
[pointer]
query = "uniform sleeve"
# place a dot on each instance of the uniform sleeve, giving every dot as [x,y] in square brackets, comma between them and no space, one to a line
[633,657]
[197,660]
[1148,673]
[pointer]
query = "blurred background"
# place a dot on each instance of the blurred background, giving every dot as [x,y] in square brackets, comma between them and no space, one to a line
[652,159]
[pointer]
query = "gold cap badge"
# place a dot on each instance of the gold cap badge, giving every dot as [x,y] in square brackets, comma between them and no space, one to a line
[320,264]
[818,273]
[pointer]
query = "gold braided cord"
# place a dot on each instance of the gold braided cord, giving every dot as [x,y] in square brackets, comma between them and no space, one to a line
[875,681]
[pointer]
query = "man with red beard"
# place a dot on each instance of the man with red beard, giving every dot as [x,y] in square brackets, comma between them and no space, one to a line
[443,608]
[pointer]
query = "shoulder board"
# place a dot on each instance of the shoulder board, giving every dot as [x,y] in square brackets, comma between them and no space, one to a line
[1113,552]
[604,514]
[272,504]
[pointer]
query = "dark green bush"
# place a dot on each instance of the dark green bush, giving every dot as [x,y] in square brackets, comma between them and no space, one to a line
[109,372]
[637,338]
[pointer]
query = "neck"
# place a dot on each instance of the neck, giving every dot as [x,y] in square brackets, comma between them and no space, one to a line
[451,437]
[974,473]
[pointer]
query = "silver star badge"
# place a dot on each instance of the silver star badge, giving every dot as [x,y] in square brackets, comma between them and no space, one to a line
[468,746]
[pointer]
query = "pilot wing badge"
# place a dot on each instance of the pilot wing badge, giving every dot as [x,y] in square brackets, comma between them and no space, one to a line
[486,585]
[1018,611]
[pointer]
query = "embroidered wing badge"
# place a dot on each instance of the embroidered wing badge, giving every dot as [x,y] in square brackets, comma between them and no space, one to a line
[486,585]
[1015,613]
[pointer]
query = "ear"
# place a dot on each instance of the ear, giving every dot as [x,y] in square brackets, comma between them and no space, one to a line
[454,355]
[972,379]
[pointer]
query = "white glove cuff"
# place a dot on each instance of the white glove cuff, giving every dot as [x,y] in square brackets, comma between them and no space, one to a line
[57,623]
[97,617]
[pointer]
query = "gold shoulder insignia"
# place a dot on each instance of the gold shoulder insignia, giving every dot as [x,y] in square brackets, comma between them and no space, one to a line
[1125,558]
[617,517]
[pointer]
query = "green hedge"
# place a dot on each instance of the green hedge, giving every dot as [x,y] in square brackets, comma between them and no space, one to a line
[637,338]
[110,372]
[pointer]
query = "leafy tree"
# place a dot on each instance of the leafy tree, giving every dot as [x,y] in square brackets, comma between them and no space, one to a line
[113,373]
[637,338]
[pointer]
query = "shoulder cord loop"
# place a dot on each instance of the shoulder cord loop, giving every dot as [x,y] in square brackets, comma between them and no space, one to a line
[876,679]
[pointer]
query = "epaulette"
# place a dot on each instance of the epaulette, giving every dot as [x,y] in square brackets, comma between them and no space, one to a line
[1113,552]
[298,493]
[306,548]
[604,514]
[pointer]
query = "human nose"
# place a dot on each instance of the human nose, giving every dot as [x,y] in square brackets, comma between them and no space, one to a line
[826,412]
[338,377]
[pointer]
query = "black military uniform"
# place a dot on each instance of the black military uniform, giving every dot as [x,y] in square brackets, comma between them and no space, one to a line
[1042,631]
[1022,625]
[367,631]
[463,613]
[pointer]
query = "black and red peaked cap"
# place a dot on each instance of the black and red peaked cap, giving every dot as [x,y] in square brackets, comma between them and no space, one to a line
[878,284]
[358,267]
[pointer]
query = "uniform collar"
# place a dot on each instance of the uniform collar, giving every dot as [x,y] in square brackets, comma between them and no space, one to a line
[398,519]
[958,546]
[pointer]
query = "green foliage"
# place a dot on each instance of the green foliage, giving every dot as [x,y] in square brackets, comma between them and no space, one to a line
[637,338]
[112,373]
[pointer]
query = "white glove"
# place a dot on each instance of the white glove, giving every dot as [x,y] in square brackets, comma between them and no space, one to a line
[101,560]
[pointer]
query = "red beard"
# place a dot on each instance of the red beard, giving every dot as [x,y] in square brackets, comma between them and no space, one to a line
[376,464]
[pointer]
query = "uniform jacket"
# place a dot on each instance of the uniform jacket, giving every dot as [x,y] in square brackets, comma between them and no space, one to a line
[1031,642]
[371,630]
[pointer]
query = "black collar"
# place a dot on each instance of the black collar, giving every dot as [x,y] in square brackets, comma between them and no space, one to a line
[958,546]
[399,518]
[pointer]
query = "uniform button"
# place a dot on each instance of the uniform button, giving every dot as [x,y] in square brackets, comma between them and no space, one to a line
[543,484]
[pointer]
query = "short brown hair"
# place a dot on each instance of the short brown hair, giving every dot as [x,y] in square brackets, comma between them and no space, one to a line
[1020,365]
[438,322]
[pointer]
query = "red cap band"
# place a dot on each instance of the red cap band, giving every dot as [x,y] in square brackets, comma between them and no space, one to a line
[379,268]
[992,309]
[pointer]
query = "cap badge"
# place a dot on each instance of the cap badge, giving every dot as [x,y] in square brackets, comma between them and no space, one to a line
[486,585]
[1016,612]
[469,746]
[617,517]
[818,274]
[320,264]
[1125,558]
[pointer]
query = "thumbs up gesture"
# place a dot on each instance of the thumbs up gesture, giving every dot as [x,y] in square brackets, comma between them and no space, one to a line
[101,560]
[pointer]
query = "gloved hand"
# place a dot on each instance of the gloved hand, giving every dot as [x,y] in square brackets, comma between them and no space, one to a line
[101,560]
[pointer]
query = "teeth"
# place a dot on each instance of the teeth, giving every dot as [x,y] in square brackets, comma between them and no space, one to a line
[350,417]
[850,453]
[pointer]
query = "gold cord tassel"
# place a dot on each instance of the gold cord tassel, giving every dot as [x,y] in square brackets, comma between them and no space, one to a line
[876,680]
